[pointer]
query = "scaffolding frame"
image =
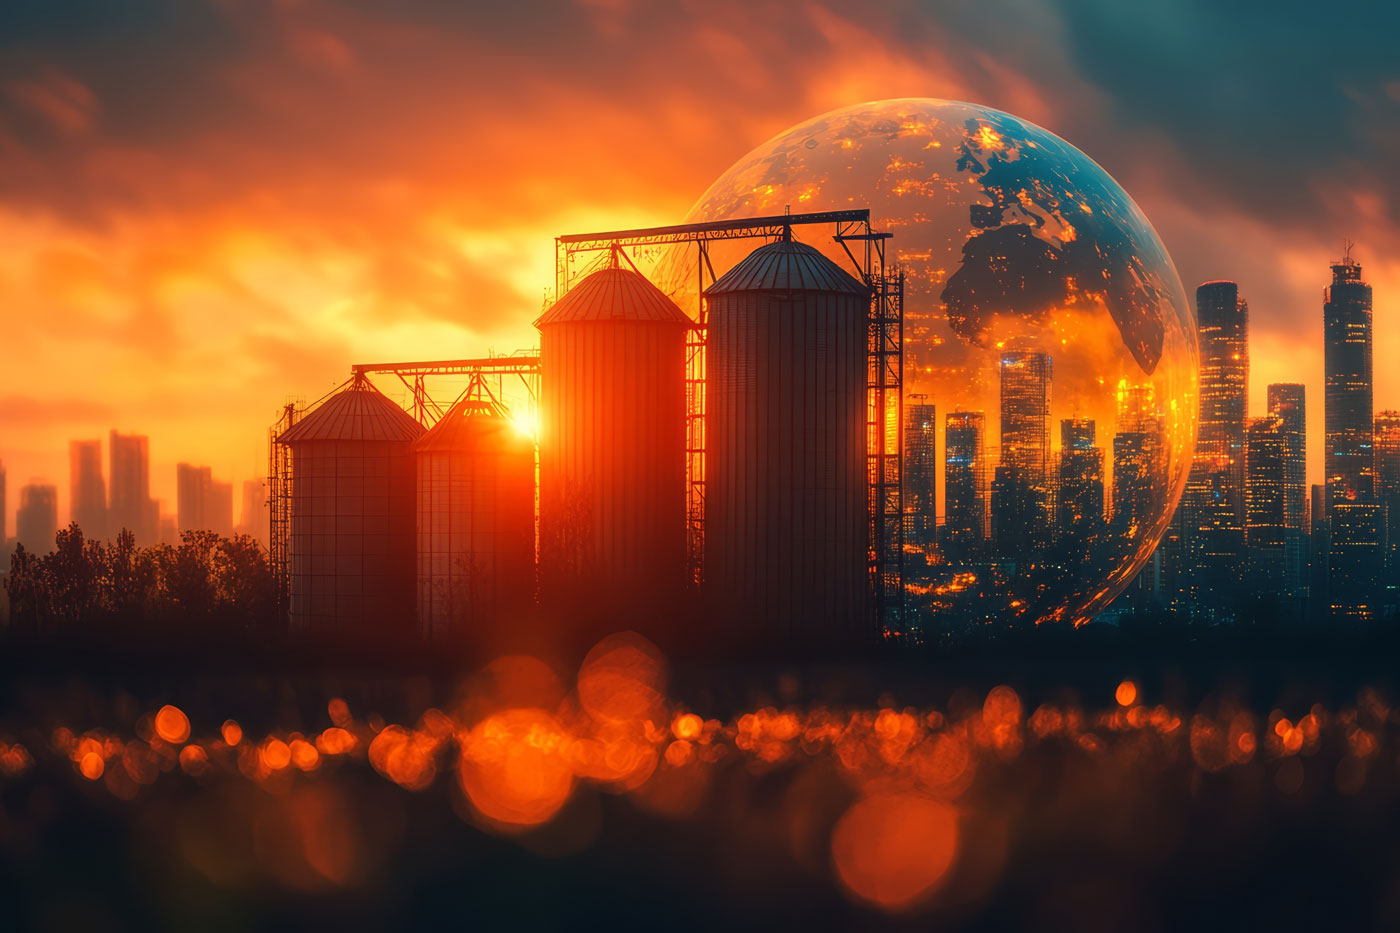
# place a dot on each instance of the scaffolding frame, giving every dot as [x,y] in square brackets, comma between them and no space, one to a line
[481,373]
[884,372]
[279,500]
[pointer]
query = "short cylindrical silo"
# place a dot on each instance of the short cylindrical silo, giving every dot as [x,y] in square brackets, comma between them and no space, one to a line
[351,541]
[785,484]
[612,448]
[476,522]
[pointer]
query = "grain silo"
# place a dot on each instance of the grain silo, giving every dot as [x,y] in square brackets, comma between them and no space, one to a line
[351,536]
[612,449]
[476,520]
[785,523]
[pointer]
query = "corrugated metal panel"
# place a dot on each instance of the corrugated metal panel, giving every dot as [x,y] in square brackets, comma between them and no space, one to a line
[612,457]
[476,516]
[785,545]
[352,535]
[614,295]
[358,412]
[787,266]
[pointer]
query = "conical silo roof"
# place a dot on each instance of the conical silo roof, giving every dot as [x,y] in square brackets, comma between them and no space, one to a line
[614,294]
[359,412]
[465,423]
[787,266]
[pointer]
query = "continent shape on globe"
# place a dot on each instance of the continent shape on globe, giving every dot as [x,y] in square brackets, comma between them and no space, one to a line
[1009,239]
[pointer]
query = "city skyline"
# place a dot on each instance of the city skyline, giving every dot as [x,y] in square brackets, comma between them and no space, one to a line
[1232,408]
[106,489]
[188,312]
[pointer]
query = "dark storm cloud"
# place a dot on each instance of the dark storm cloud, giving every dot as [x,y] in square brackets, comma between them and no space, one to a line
[1270,108]
[1274,107]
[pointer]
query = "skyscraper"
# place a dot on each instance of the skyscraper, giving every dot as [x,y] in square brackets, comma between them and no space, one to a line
[965,483]
[4,515]
[1353,518]
[1266,505]
[1317,552]
[36,522]
[920,472]
[1387,442]
[1020,487]
[1025,413]
[1139,444]
[1212,540]
[1355,544]
[87,490]
[1079,491]
[129,476]
[1346,334]
[192,496]
[1288,402]
[1222,328]
[1132,483]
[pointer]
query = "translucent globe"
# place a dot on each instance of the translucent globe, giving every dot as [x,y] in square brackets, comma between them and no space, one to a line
[1050,356]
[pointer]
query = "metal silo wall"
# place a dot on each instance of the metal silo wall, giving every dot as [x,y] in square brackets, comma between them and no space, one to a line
[785,540]
[612,460]
[352,535]
[476,532]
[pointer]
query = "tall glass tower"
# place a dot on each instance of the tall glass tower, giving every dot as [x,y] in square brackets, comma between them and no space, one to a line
[1213,505]
[1387,442]
[1079,492]
[1346,334]
[1021,485]
[1354,520]
[1266,506]
[1288,403]
[920,472]
[965,483]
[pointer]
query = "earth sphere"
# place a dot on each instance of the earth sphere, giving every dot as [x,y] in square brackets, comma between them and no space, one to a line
[1025,264]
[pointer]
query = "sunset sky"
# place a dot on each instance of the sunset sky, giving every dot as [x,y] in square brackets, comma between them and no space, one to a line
[208,208]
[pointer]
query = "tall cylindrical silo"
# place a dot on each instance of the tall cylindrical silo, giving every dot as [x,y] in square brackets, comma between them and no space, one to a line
[785,484]
[476,522]
[612,449]
[351,542]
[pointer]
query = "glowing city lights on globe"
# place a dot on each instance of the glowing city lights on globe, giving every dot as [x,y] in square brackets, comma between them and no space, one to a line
[1050,357]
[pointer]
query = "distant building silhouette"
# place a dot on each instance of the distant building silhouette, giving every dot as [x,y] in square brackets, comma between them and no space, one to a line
[169,530]
[1266,506]
[1317,552]
[920,472]
[87,489]
[1138,452]
[218,509]
[130,505]
[36,522]
[1288,402]
[193,487]
[1132,481]
[202,503]
[1079,492]
[4,516]
[1387,443]
[965,483]
[255,516]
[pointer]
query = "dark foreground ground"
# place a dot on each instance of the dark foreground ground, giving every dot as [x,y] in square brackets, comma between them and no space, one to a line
[1090,781]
